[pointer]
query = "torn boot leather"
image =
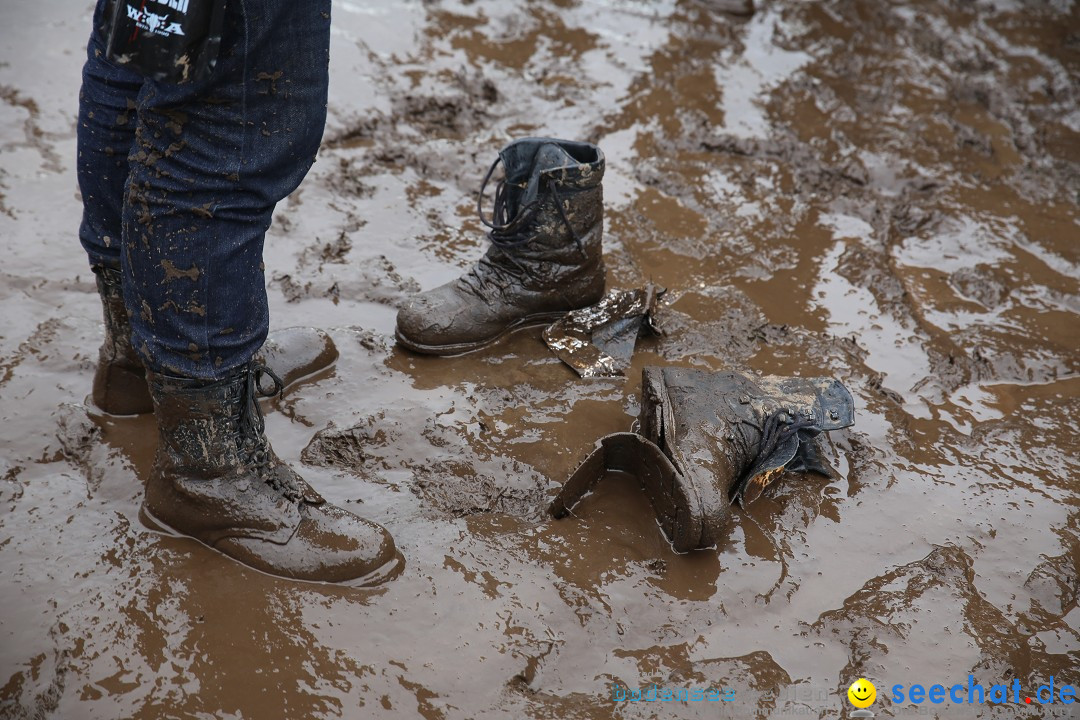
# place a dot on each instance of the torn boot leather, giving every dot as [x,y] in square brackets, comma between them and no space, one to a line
[599,340]
[708,439]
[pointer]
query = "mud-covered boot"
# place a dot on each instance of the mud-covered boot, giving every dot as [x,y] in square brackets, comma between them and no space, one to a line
[545,256]
[296,353]
[120,378]
[708,439]
[215,478]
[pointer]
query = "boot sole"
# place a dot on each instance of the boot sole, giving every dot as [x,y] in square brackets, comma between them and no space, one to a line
[463,348]
[387,571]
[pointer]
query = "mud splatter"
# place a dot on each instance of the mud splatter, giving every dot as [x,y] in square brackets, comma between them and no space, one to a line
[174,273]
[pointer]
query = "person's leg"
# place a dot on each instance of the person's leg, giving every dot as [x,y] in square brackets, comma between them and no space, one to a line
[108,116]
[209,162]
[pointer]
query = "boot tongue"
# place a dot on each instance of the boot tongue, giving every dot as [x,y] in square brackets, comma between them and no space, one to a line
[549,156]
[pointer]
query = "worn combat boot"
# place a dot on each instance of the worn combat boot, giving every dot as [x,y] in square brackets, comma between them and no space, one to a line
[545,256]
[215,478]
[120,378]
[708,439]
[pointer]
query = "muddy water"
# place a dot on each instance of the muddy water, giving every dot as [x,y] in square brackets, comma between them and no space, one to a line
[884,193]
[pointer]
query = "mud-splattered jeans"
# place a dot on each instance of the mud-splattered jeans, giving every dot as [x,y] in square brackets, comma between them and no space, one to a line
[179,181]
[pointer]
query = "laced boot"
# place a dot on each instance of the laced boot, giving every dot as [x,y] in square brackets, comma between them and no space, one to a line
[120,378]
[709,439]
[216,479]
[544,258]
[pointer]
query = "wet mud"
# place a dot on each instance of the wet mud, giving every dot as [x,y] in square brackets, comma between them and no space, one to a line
[884,193]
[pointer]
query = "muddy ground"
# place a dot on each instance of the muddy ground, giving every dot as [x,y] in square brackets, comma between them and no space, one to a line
[886,193]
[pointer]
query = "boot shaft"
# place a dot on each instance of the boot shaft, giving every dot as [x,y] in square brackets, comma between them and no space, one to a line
[537,169]
[120,378]
[548,222]
[199,423]
[551,197]
[117,345]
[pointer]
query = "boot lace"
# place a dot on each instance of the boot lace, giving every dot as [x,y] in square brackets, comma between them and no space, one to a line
[777,428]
[491,273]
[251,439]
[503,227]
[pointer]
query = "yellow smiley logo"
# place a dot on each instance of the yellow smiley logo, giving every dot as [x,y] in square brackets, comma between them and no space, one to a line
[862,693]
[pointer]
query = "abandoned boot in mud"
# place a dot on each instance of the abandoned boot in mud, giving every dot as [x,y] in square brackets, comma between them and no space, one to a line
[215,478]
[120,378]
[708,439]
[545,256]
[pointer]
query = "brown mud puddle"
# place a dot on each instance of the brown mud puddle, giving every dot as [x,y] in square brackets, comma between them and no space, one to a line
[885,193]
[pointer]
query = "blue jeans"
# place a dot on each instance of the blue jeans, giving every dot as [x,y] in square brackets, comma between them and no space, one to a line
[179,181]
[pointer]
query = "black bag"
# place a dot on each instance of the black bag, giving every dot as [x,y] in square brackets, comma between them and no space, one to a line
[168,40]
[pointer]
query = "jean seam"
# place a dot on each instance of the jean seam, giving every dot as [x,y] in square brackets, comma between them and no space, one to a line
[210,364]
